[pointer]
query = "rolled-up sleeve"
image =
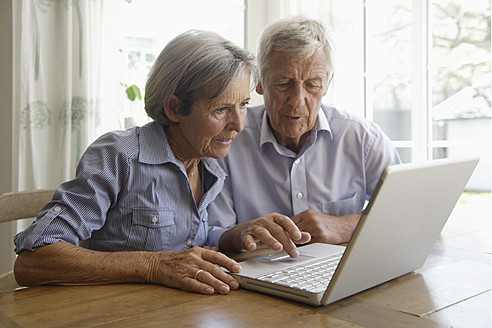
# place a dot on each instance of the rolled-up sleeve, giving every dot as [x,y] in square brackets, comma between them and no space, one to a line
[48,229]
[79,206]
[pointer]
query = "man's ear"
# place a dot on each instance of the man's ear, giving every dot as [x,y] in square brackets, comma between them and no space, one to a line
[172,108]
[259,89]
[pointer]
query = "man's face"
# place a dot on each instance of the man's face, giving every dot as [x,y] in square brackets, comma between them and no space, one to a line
[292,89]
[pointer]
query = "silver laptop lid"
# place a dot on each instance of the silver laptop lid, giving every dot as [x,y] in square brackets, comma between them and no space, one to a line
[399,227]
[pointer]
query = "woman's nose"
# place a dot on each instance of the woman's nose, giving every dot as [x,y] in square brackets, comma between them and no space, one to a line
[237,120]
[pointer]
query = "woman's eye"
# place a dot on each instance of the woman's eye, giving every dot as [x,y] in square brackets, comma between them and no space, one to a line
[221,110]
[244,104]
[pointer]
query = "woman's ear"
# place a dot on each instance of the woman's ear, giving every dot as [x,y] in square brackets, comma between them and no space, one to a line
[259,89]
[172,108]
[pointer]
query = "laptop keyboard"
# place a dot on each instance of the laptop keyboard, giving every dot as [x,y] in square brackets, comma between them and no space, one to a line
[313,277]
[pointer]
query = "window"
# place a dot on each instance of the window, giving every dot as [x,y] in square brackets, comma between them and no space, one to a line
[420,69]
[460,78]
[391,69]
[429,78]
[147,26]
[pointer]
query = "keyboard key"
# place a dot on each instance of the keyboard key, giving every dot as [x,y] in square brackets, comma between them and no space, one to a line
[313,277]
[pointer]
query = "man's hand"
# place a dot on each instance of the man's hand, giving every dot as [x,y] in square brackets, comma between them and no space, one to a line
[326,228]
[274,230]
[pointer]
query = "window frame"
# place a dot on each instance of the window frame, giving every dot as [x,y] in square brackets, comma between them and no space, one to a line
[421,144]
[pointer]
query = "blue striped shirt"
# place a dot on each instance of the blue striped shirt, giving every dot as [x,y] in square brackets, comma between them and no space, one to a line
[130,194]
[334,173]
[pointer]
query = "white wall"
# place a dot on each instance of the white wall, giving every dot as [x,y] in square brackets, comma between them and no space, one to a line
[6,229]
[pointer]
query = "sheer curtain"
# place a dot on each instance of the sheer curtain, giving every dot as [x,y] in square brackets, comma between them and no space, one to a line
[64,76]
[61,85]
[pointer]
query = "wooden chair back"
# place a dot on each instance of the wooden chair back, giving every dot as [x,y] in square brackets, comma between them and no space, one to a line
[17,206]
[23,204]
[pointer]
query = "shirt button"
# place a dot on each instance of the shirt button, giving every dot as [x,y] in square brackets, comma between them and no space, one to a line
[57,209]
[297,161]
[299,195]
[155,219]
[189,241]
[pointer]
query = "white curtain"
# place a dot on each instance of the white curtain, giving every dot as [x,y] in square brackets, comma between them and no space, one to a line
[64,79]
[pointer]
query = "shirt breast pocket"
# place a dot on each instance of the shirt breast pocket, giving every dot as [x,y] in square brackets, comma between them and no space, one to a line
[350,205]
[151,230]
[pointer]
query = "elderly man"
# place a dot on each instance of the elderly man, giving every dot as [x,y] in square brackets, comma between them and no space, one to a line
[297,161]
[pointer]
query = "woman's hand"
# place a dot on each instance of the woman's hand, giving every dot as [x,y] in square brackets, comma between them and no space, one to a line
[197,269]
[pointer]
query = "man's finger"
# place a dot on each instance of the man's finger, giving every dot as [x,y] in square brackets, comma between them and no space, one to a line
[267,237]
[289,226]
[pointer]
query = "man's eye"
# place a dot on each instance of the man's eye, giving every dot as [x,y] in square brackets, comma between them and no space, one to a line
[313,88]
[244,104]
[283,86]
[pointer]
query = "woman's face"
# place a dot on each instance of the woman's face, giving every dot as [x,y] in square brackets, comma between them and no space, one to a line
[213,124]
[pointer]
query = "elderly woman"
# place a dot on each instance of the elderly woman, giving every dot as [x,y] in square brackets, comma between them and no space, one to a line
[138,203]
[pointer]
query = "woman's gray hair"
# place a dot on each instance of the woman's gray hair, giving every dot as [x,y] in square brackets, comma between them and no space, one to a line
[298,37]
[191,64]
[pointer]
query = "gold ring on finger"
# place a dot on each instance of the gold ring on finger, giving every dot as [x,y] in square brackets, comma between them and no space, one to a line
[196,274]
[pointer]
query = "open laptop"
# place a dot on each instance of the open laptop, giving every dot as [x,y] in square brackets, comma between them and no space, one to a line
[396,233]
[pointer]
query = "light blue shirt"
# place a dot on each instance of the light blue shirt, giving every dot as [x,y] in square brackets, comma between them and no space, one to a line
[130,194]
[334,173]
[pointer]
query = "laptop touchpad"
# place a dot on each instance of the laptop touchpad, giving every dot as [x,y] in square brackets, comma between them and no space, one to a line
[284,257]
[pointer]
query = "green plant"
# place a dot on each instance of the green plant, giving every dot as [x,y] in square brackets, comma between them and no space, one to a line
[133,92]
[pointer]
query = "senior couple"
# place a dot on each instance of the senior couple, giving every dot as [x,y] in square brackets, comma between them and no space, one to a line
[210,172]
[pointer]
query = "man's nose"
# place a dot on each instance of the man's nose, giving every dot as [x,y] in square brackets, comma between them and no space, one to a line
[296,95]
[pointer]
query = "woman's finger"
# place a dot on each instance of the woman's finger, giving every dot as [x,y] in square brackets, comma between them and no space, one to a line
[208,281]
[217,283]
[197,286]
[220,259]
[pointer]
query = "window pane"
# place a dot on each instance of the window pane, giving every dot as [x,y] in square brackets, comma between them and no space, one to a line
[405,154]
[148,25]
[389,65]
[480,180]
[461,71]
[461,83]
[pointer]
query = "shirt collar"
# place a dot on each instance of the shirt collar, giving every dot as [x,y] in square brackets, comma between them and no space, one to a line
[154,147]
[267,136]
[322,123]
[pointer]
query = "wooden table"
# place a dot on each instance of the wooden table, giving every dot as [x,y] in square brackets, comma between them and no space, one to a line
[453,289]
